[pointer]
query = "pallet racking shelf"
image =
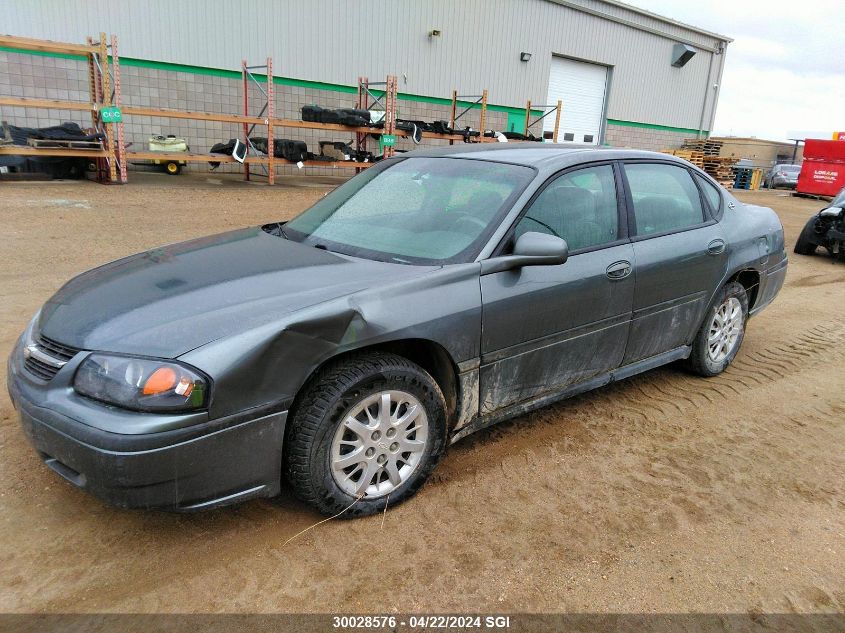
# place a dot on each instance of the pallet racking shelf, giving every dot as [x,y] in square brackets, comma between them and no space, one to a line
[546,109]
[104,91]
[455,116]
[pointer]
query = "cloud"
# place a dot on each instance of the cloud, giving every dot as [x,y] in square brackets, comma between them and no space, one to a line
[784,71]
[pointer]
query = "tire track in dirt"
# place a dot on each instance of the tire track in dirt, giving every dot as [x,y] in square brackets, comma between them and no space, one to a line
[818,340]
[659,395]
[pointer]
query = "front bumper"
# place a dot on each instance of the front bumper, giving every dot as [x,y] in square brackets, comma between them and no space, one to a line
[202,465]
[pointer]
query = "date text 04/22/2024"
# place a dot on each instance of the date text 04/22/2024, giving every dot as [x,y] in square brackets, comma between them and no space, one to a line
[422,621]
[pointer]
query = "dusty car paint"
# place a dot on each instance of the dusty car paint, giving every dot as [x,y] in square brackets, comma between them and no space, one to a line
[260,314]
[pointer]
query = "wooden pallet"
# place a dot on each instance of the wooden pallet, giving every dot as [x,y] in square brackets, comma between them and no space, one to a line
[708,147]
[696,158]
[42,143]
[720,168]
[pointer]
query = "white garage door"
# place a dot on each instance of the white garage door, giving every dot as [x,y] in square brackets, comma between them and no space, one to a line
[581,87]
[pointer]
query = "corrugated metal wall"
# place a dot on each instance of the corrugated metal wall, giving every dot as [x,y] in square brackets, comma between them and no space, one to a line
[336,41]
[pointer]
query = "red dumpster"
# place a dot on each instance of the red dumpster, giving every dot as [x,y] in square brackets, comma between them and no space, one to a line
[823,169]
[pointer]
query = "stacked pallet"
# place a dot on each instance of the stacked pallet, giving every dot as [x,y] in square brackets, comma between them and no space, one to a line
[747,178]
[706,146]
[719,167]
[696,158]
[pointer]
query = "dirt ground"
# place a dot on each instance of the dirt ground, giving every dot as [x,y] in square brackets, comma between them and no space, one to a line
[663,493]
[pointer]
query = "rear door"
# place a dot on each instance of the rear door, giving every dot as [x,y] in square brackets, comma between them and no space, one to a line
[547,327]
[680,255]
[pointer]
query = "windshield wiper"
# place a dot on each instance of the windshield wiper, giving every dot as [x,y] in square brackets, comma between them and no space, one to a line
[275,229]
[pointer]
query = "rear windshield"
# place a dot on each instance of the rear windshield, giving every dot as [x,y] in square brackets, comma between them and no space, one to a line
[415,211]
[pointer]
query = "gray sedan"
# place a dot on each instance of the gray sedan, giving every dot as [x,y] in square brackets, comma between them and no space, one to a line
[431,296]
[782,176]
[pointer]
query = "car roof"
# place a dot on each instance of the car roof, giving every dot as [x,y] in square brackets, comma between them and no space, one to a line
[534,154]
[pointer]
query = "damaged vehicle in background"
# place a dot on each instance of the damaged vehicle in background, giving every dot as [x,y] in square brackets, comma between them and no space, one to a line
[826,229]
[428,297]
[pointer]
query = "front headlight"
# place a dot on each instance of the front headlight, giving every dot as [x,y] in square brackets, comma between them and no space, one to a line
[141,384]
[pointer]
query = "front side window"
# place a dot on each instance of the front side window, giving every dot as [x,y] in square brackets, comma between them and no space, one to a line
[665,198]
[417,210]
[579,206]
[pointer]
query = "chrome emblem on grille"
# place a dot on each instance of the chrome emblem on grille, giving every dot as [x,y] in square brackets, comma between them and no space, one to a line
[33,351]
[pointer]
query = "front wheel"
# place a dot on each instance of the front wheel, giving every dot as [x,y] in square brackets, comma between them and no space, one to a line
[722,332]
[366,433]
[804,245]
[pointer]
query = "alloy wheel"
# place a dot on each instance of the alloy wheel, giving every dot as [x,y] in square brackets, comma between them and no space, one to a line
[379,443]
[725,330]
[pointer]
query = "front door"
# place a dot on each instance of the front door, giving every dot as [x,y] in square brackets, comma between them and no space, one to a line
[547,327]
[680,258]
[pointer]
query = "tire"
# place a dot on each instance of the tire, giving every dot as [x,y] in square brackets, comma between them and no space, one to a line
[702,360]
[316,438]
[803,246]
[172,168]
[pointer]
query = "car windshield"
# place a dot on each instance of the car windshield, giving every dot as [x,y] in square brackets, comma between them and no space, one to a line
[416,210]
[839,200]
[790,169]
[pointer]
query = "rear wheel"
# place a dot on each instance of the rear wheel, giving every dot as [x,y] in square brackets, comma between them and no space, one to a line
[722,332]
[172,168]
[365,434]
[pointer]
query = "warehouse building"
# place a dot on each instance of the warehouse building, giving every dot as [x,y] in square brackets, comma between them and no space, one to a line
[626,77]
[761,153]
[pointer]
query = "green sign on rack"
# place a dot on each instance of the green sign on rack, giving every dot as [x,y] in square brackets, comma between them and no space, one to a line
[388,140]
[111,114]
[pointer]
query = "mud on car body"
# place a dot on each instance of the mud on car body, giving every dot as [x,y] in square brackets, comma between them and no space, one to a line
[434,294]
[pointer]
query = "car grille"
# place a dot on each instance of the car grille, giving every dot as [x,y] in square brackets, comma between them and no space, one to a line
[49,357]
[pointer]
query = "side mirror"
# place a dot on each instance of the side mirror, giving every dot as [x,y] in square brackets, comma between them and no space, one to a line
[531,249]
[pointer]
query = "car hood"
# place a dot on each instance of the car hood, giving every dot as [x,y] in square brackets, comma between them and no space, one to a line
[170,300]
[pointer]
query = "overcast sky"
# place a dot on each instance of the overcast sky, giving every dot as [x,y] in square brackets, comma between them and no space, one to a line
[785,70]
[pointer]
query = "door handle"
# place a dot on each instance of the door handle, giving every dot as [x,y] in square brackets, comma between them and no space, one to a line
[716,247]
[619,270]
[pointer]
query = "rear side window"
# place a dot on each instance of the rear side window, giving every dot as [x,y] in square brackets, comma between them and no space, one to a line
[711,193]
[665,198]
